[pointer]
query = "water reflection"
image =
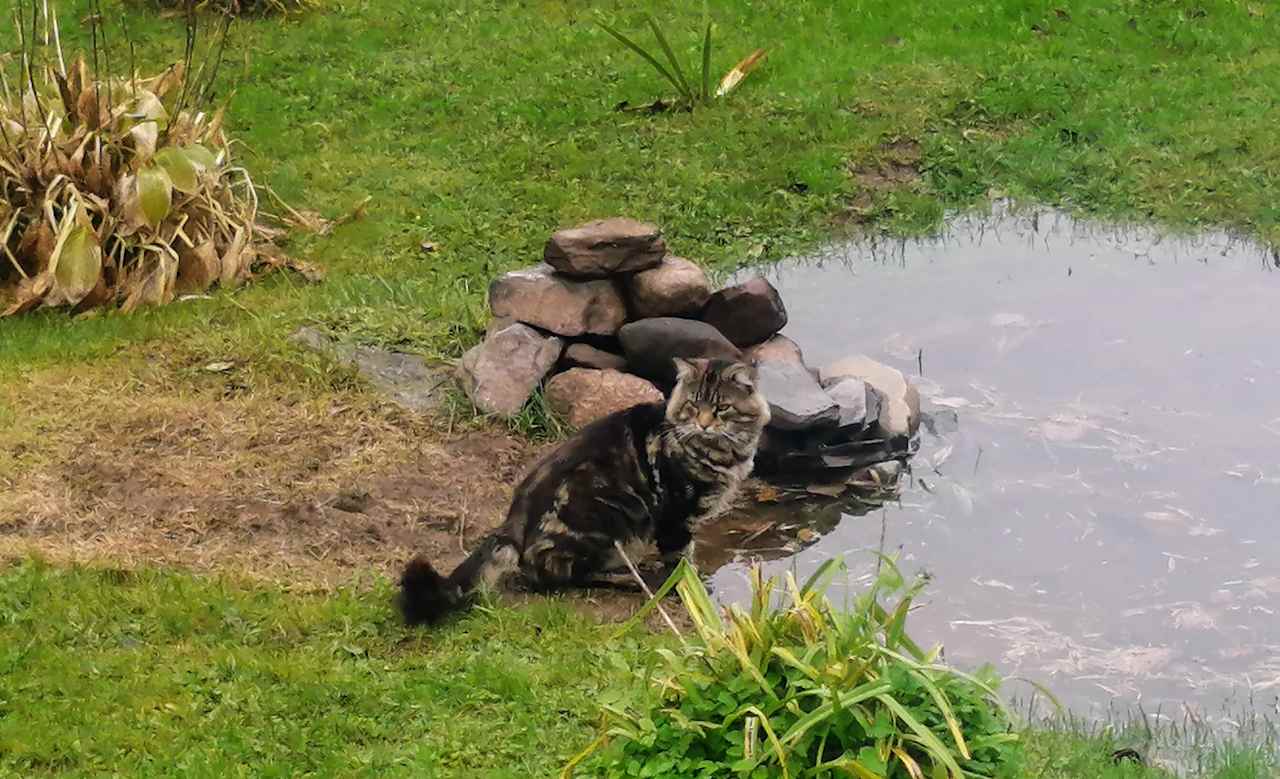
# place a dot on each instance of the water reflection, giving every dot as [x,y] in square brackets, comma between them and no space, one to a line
[1097,497]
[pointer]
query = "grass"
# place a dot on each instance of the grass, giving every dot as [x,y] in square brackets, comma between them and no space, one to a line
[482,126]
[153,673]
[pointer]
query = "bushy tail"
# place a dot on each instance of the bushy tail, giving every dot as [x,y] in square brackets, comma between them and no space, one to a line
[426,597]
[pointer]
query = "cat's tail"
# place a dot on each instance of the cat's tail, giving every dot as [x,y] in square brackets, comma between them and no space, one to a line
[426,597]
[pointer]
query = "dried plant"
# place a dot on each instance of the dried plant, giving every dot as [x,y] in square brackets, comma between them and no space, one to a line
[118,191]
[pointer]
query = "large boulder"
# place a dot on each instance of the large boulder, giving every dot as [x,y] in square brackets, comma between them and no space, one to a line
[777,349]
[588,356]
[900,400]
[677,287]
[747,313]
[541,297]
[583,395]
[597,249]
[501,373]
[796,402]
[650,345]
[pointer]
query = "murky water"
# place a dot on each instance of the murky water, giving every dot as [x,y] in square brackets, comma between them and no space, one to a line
[1105,517]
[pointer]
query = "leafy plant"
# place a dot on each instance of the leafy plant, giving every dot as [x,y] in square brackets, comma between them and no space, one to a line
[691,90]
[118,191]
[803,689]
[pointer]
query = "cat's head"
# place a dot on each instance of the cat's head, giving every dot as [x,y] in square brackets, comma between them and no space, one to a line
[715,397]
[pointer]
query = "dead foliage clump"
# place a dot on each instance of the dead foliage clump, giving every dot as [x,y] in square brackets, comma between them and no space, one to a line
[118,191]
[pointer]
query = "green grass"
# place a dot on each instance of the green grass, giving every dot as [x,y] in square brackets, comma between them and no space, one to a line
[482,126]
[149,673]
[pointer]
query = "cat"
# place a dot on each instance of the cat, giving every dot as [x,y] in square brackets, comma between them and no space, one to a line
[633,483]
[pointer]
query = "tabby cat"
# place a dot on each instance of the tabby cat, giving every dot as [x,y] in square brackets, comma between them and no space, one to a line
[631,483]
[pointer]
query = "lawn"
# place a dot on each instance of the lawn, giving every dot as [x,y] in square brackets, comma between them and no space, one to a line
[480,127]
[110,672]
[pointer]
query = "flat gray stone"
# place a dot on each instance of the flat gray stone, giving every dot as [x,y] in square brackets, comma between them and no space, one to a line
[501,373]
[795,399]
[605,246]
[777,349]
[407,379]
[548,300]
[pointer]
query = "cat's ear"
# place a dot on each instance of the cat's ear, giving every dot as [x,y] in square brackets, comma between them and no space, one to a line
[687,366]
[745,374]
[684,368]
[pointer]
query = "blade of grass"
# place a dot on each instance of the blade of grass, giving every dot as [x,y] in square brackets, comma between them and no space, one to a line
[686,91]
[658,66]
[706,64]
[926,736]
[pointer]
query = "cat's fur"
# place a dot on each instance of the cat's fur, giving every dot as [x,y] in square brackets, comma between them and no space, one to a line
[640,478]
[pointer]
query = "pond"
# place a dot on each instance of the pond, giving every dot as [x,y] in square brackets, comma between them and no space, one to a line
[1098,493]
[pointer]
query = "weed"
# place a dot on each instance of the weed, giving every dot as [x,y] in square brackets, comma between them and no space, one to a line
[692,91]
[805,689]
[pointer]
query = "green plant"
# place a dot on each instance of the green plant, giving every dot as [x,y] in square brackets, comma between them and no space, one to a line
[804,689]
[118,190]
[691,92]
[239,7]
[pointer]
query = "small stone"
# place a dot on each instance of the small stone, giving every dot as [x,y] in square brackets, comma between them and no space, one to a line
[501,373]
[583,395]
[541,297]
[677,287]
[588,356]
[650,345]
[746,313]
[942,421]
[352,501]
[597,249]
[900,401]
[796,402]
[850,396]
[777,349]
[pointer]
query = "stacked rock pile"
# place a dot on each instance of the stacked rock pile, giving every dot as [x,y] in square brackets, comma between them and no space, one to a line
[597,324]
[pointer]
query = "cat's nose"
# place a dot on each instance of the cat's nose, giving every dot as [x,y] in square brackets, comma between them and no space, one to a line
[705,417]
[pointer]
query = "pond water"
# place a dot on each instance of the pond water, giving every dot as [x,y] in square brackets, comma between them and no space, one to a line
[1098,505]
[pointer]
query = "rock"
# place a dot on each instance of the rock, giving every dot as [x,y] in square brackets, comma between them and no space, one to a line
[796,402]
[851,398]
[501,373]
[583,395]
[746,313]
[406,379]
[588,356]
[941,421]
[651,343]
[677,287]
[540,297]
[777,349]
[497,323]
[900,401]
[597,249]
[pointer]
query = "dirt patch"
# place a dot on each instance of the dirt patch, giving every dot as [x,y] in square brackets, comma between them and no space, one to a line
[895,164]
[279,488]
